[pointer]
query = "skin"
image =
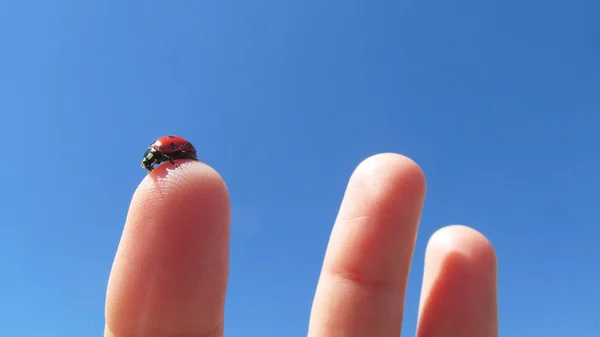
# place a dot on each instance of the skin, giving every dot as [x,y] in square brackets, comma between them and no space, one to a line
[170,273]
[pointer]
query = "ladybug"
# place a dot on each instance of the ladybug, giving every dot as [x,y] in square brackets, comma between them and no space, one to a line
[168,148]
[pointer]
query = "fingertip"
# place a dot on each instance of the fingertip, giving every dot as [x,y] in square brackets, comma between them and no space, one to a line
[464,240]
[190,180]
[169,177]
[391,163]
[382,175]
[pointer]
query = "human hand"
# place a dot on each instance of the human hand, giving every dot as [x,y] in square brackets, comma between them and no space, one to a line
[170,273]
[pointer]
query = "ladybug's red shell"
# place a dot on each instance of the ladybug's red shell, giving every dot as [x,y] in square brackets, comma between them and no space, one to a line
[170,144]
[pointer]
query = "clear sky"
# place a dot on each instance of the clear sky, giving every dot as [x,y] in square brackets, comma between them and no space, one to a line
[496,100]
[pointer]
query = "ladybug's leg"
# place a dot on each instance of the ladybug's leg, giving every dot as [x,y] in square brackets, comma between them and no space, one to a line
[170,160]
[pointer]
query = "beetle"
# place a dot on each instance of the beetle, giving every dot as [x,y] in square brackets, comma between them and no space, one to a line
[168,148]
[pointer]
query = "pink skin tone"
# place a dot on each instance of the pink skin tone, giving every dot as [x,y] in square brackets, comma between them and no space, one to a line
[171,269]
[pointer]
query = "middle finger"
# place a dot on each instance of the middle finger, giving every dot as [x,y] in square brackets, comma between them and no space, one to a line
[364,275]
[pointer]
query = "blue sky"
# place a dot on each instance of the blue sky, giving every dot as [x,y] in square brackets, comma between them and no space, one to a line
[496,100]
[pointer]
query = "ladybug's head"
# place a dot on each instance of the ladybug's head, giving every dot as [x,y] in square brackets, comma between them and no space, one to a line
[151,157]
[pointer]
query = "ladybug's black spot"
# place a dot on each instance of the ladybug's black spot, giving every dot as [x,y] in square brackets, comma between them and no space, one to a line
[171,136]
[173,145]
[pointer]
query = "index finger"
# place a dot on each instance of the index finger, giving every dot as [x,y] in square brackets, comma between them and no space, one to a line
[170,272]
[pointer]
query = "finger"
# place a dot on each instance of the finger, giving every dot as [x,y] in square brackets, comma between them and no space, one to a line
[362,284]
[459,296]
[170,272]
